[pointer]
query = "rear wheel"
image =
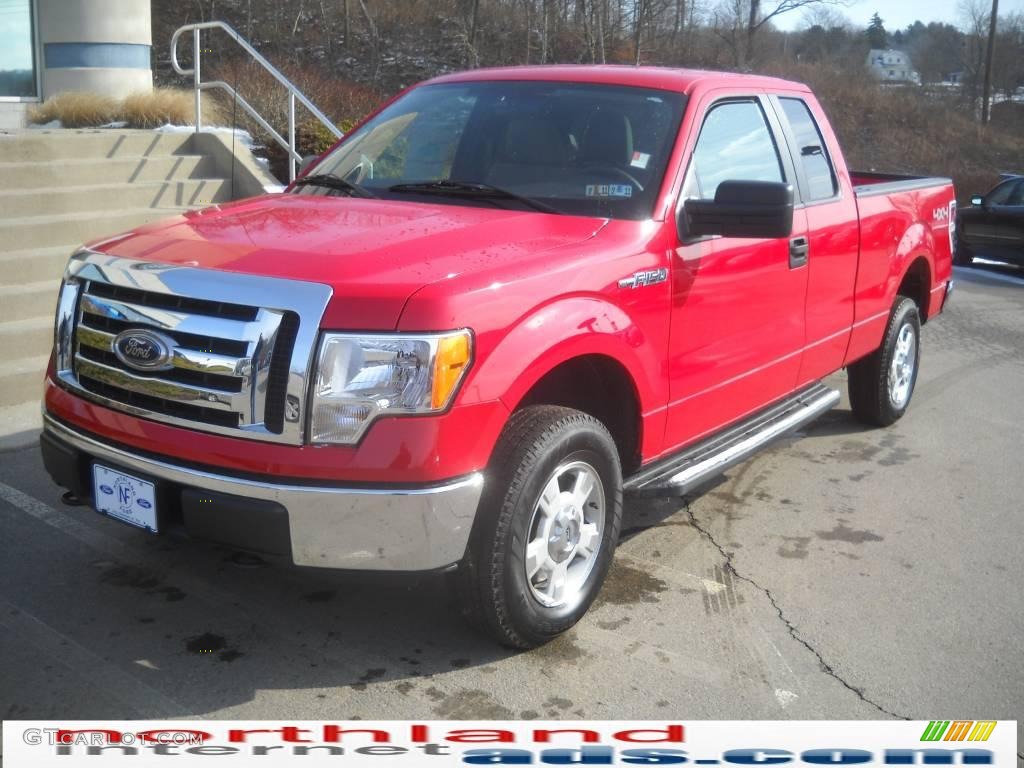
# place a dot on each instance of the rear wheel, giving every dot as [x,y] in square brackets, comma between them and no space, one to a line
[547,527]
[882,384]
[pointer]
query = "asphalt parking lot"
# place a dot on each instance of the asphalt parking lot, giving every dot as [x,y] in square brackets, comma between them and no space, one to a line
[843,574]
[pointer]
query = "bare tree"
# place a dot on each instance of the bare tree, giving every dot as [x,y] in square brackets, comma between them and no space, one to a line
[347,23]
[737,22]
[371,26]
[975,16]
[990,50]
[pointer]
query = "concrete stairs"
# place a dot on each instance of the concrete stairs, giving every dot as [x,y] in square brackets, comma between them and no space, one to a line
[60,189]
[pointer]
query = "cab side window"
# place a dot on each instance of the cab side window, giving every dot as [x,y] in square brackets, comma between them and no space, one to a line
[821,176]
[1017,196]
[1002,194]
[735,144]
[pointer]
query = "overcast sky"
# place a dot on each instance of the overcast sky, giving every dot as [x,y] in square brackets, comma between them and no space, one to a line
[897,14]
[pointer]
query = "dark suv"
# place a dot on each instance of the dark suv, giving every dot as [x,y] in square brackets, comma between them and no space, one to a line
[993,227]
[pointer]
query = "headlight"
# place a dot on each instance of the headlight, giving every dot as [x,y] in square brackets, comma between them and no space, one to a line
[360,377]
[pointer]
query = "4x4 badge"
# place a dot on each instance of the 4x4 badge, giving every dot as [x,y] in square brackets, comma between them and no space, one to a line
[644,277]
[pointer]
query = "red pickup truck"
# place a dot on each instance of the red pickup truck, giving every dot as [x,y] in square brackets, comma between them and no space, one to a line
[506,300]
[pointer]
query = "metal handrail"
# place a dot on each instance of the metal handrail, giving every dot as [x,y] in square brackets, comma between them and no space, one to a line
[293,92]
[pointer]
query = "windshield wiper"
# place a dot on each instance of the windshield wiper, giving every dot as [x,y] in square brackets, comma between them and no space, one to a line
[331,181]
[469,189]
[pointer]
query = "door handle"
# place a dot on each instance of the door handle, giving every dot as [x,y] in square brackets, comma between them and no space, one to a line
[799,248]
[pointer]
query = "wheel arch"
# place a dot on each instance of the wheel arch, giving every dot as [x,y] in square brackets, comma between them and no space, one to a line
[916,284]
[610,397]
[543,359]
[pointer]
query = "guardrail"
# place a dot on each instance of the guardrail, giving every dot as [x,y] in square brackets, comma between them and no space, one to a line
[293,93]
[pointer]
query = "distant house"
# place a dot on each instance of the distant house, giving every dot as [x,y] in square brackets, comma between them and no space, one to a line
[892,66]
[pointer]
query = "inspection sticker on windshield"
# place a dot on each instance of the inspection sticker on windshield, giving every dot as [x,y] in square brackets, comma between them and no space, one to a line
[640,160]
[609,190]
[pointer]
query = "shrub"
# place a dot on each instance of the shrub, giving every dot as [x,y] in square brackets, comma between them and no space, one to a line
[313,137]
[151,109]
[75,109]
[146,109]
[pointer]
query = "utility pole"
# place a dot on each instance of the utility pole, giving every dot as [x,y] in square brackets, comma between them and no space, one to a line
[988,62]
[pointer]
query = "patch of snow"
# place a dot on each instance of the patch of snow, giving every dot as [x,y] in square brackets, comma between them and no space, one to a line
[51,124]
[115,124]
[263,162]
[713,587]
[273,189]
[784,697]
[240,134]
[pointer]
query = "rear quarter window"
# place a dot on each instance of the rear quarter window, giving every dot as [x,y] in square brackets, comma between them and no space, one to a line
[811,150]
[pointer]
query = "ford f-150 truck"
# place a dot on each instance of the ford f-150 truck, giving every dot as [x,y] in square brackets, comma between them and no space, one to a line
[505,301]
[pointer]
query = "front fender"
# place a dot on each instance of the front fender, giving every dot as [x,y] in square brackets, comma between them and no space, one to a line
[563,330]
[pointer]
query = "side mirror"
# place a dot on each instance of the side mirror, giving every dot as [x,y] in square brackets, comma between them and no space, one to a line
[977,200]
[307,161]
[741,209]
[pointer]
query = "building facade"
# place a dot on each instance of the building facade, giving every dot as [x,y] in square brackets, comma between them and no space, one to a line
[51,46]
[892,66]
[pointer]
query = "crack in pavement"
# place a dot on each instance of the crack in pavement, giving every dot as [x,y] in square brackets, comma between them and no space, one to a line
[825,666]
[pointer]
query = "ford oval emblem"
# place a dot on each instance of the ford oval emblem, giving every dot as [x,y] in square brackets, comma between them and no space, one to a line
[144,350]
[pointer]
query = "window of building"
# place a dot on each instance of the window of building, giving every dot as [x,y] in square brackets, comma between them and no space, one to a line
[17,50]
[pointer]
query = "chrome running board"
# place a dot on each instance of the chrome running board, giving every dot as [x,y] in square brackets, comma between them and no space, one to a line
[693,466]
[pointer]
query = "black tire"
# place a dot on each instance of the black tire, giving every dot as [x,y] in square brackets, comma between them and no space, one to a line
[873,397]
[494,589]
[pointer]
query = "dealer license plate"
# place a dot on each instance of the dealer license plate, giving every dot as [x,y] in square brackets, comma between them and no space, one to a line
[124,497]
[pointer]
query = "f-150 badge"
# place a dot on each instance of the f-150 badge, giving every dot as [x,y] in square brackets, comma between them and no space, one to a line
[644,277]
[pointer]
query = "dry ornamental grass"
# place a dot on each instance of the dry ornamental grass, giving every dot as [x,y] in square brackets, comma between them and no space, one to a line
[139,110]
[76,109]
[168,105]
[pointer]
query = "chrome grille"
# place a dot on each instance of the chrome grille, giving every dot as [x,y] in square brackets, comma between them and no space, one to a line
[232,367]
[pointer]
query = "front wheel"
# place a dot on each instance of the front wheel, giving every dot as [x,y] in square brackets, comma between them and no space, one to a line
[547,527]
[881,384]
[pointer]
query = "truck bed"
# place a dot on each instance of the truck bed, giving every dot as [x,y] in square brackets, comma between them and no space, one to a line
[868,183]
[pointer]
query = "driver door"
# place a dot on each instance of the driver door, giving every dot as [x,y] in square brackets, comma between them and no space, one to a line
[982,226]
[737,325]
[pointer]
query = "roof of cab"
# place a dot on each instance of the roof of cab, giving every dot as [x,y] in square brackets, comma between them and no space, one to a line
[661,78]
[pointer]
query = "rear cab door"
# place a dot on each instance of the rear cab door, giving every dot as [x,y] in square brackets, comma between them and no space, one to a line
[825,196]
[737,325]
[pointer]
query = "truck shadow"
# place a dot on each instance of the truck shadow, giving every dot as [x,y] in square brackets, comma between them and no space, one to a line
[199,629]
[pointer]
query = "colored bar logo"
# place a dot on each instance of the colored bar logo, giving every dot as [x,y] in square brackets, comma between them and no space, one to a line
[958,730]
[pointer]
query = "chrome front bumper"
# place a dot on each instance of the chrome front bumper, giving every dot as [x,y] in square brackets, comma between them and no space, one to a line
[379,529]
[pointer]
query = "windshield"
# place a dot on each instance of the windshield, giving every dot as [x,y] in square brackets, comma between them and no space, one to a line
[593,150]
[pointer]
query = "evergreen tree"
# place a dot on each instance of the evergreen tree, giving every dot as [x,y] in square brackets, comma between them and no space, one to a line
[877,36]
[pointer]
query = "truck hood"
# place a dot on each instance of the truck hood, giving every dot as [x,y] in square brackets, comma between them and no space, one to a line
[374,253]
